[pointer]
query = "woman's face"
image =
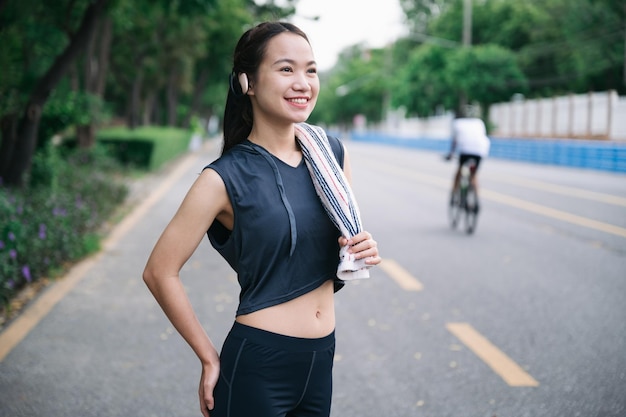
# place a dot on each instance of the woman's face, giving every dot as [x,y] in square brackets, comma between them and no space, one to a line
[286,85]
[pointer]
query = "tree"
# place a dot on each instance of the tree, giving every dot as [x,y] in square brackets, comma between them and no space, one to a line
[535,47]
[19,127]
[435,77]
[420,13]
[174,52]
[577,47]
[167,55]
[422,85]
[485,74]
[357,86]
[561,45]
[223,28]
[95,64]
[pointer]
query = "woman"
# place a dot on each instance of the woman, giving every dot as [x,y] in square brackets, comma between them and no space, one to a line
[258,204]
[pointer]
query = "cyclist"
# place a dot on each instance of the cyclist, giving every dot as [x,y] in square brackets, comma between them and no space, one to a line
[470,141]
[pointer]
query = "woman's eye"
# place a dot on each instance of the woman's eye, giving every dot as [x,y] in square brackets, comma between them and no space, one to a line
[286,69]
[312,71]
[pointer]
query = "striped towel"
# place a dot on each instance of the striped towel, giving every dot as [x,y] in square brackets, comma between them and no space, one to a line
[334,191]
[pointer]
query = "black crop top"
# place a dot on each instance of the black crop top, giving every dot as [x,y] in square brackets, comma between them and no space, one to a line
[283,244]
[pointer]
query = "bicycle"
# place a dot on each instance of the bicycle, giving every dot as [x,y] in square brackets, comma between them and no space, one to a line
[464,201]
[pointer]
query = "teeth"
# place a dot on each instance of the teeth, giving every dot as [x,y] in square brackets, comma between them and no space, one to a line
[299,100]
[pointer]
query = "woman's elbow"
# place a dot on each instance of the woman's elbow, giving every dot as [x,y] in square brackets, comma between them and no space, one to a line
[149,277]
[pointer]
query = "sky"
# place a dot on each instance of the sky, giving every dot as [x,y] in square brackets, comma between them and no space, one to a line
[343,23]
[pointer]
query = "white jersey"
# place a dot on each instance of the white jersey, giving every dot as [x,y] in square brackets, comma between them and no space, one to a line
[471,136]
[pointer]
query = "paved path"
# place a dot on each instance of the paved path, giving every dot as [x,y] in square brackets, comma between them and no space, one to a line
[536,293]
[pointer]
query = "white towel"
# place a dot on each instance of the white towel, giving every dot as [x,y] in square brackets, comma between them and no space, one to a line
[336,195]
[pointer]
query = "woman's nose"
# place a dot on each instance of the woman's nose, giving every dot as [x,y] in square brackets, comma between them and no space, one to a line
[301,83]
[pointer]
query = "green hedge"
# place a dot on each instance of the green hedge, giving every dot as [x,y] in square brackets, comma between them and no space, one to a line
[145,147]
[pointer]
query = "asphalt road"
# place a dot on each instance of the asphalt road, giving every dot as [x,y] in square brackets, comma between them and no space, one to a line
[524,318]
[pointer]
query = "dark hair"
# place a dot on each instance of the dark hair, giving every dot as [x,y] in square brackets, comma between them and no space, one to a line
[247,57]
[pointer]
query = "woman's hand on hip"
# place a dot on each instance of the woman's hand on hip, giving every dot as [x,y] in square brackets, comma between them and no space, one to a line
[208,380]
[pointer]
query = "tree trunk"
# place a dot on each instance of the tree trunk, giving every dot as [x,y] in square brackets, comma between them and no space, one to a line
[462,104]
[26,140]
[104,55]
[96,65]
[8,129]
[172,98]
[2,4]
[29,122]
[135,101]
[73,77]
[198,90]
[86,135]
[148,108]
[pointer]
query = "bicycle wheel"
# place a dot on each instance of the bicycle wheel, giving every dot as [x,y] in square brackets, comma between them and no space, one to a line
[454,209]
[471,210]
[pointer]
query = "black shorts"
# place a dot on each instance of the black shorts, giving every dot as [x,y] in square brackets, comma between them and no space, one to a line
[271,375]
[464,157]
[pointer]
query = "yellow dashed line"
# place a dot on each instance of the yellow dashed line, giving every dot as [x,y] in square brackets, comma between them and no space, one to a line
[563,190]
[553,213]
[499,362]
[400,275]
[528,206]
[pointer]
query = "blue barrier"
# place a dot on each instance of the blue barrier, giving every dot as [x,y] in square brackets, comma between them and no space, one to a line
[597,155]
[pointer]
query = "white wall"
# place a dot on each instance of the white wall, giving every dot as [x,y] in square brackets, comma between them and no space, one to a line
[596,115]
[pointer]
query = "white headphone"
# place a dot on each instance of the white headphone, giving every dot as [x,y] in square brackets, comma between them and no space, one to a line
[243,82]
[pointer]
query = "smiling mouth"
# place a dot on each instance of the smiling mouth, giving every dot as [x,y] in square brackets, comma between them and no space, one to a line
[298,100]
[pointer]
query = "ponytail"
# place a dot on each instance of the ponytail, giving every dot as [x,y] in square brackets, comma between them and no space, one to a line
[237,115]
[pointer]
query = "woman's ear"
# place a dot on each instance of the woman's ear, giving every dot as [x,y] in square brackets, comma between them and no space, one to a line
[250,91]
[243,82]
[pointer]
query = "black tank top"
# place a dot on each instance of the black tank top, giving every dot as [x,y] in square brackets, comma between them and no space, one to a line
[283,244]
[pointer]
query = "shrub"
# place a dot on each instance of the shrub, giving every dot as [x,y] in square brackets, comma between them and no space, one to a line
[55,219]
[65,109]
[147,147]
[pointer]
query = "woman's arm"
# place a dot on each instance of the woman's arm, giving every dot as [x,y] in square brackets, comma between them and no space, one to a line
[206,200]
[361,244]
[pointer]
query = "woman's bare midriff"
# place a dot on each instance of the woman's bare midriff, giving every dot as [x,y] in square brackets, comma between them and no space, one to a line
[311,315]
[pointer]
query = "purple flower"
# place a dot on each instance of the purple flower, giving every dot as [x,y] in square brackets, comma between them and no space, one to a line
[20,209]
[1,244]
[42,231]
[13,253]
[11,236]
[59,212]
[10,284]
[26,273]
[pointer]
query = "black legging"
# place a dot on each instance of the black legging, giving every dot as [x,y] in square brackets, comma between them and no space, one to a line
[265,374]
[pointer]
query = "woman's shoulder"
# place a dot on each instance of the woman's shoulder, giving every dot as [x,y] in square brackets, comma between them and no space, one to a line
[236,154]
[337,147]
